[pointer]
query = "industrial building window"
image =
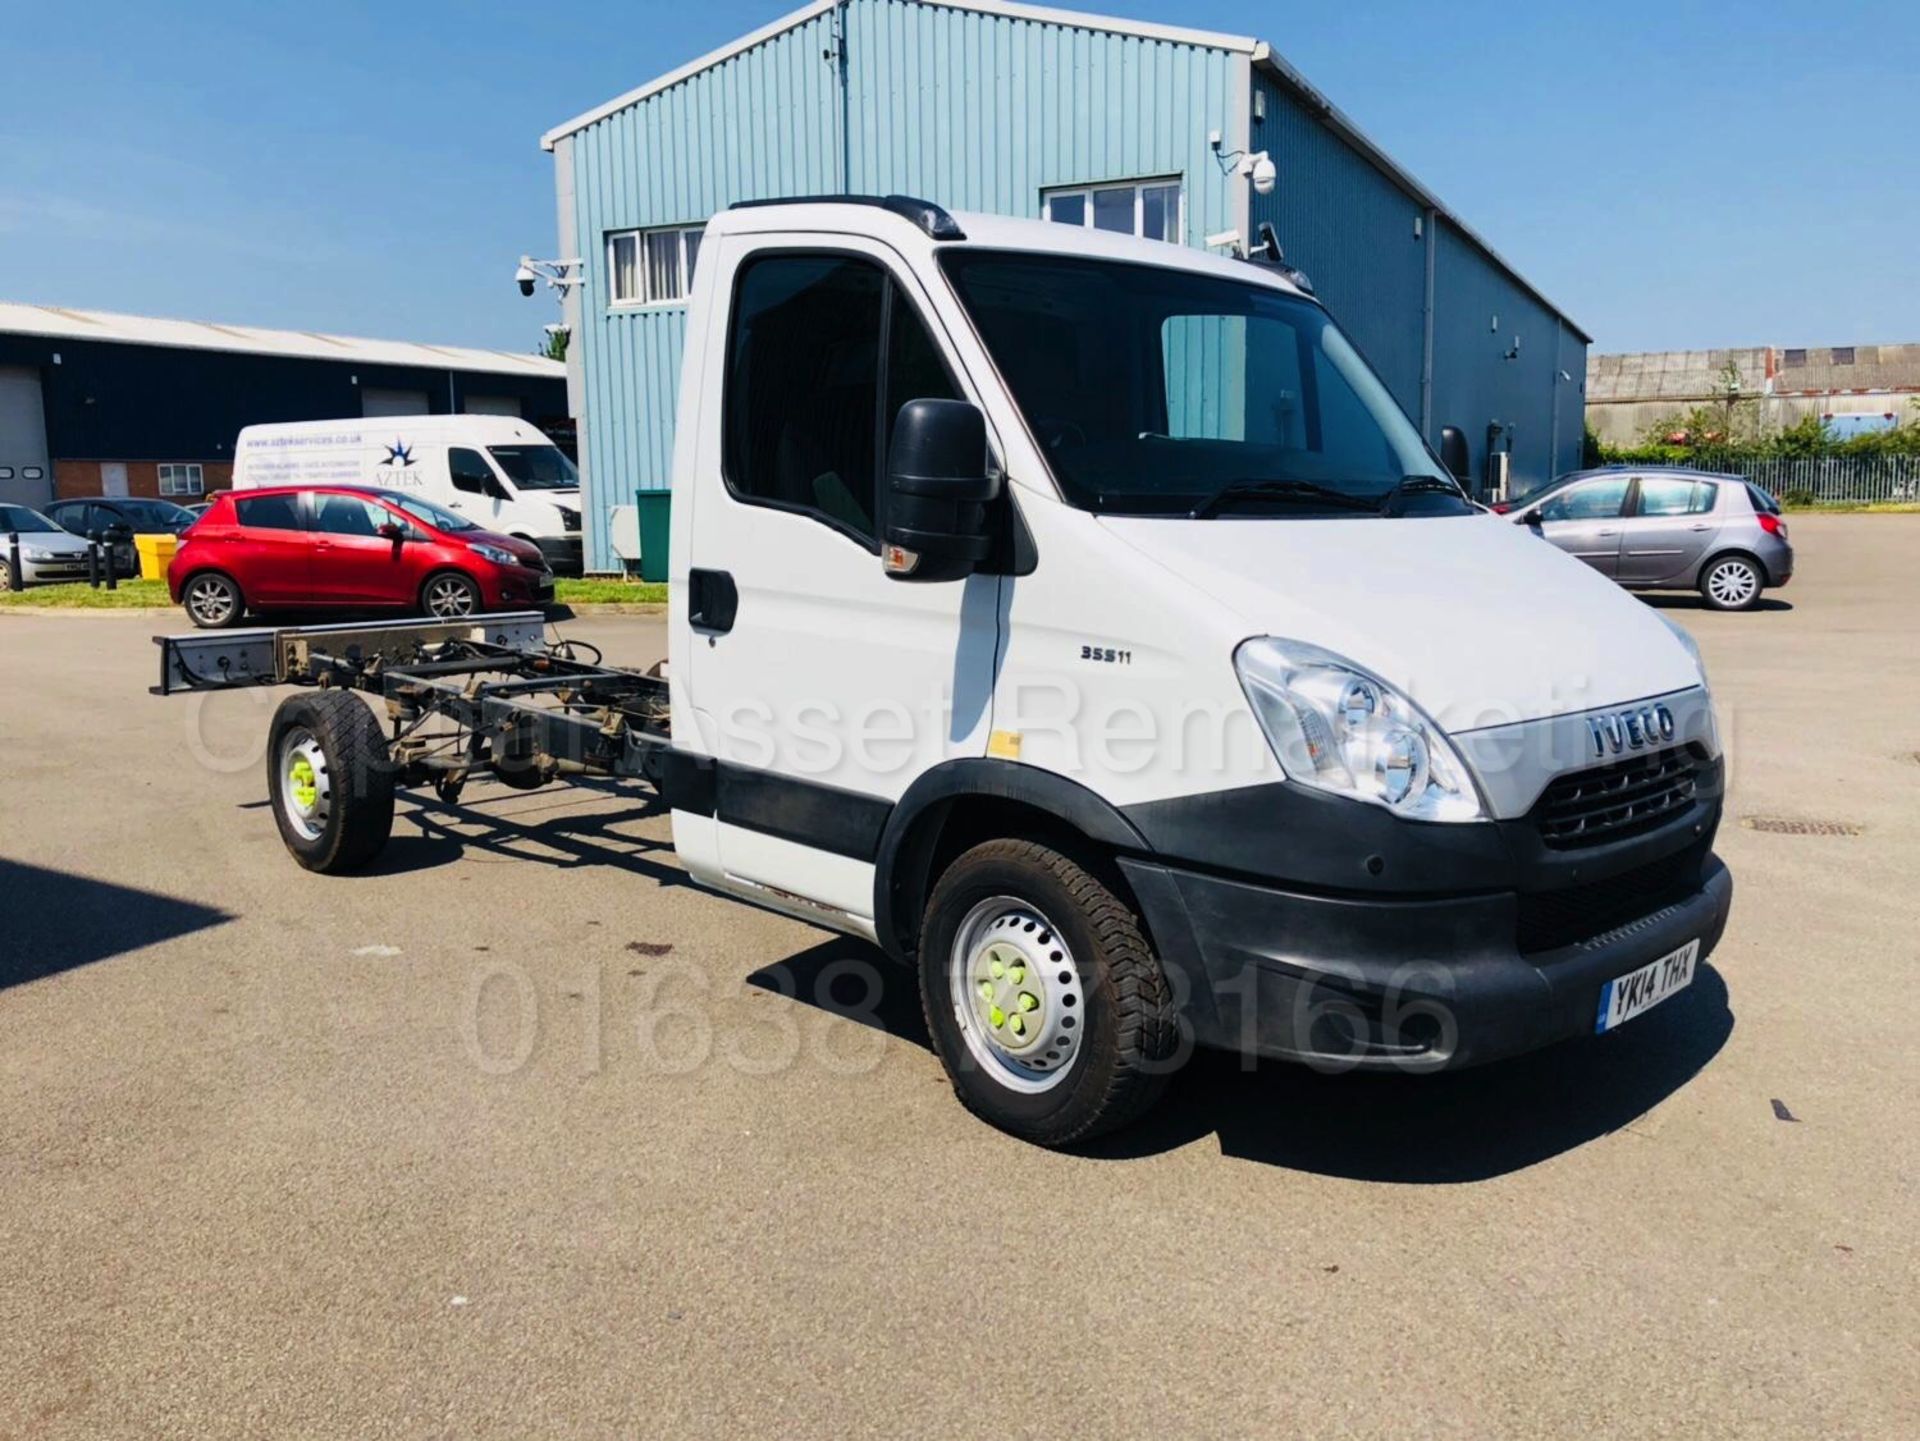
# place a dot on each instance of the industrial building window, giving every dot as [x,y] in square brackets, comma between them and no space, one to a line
[652,267]
[1843,355]
[1147,208]
[1795,359]
[182,480]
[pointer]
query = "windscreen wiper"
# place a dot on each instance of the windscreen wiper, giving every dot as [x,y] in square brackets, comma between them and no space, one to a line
[1304,490]
[1416,485]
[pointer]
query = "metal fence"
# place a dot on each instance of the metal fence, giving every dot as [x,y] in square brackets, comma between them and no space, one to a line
[1826,478]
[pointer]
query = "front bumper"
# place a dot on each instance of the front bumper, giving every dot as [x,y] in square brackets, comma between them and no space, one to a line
[1504,949]
[521,586]
[564,553]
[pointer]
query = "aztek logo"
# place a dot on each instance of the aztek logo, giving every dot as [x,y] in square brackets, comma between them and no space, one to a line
[399,454]
[1631,730]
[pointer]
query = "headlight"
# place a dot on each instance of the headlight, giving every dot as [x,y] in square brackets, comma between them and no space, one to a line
[1693,646]
[493,553]
[34,552]
[1338,728]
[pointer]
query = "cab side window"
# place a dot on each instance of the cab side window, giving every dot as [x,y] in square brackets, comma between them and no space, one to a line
[469,471]
[1669,496]
[809,404]
[270,512]
[1593,500]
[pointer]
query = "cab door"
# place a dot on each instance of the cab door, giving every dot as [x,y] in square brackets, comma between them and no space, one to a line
[353,564]
[821,687]
[477,491]
[1584,520]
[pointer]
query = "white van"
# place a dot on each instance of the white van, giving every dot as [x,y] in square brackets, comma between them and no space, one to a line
[1080,619]
[501,473]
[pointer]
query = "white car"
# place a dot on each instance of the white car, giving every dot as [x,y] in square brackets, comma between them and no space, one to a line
[48,554]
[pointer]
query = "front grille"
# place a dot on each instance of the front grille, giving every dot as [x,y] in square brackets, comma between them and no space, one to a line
[1612,802]
[1549,920]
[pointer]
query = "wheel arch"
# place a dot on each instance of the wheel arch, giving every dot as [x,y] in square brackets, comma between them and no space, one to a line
[958,804]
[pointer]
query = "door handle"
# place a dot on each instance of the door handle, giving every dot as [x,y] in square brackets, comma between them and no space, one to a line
[1699,527]
[1603,534]
[713,600]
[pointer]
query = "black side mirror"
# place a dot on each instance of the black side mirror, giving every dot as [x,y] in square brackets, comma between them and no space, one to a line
[1453,452]
[495,490]
[938,489]
[392,530]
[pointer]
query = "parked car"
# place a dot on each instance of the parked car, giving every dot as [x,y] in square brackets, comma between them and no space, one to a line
[121,517]
[47,553]
[1666,530]
[348,547]
[499,472]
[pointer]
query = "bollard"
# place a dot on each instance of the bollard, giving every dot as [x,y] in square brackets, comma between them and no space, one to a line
[113,571]
[93,559]
[16,577]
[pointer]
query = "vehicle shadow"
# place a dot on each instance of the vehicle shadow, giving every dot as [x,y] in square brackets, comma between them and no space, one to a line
[54,921]
[1682,600]
[506,825]
[1468,1126]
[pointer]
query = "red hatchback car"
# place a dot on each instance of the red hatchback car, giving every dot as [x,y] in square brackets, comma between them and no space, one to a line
[351,547]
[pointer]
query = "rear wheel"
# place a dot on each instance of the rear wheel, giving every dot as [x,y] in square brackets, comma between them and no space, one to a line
[1732,582]
[1046,1005]
[450,595]
[6,576]
[213,600]
[331,780]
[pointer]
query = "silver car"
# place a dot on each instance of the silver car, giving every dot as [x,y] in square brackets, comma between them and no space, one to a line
[1667,530]
[47,553]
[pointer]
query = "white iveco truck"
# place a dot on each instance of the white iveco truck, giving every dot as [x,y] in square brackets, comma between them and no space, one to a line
[1080,620]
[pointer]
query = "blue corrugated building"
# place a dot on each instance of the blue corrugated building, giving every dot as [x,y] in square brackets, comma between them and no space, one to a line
[983,105]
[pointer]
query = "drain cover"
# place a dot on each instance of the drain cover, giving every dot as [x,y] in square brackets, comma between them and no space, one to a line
[1789,826]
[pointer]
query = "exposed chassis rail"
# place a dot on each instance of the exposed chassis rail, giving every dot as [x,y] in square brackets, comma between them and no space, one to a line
[522,710]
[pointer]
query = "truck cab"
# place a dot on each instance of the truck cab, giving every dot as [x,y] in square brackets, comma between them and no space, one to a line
[1081,619]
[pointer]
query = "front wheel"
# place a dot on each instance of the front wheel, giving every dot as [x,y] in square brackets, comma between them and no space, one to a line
[450,596]
[1045,1002]
[331,781]
[1732,582]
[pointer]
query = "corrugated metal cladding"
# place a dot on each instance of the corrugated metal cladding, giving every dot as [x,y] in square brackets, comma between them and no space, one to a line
[764,122]
[1475,384]
[1353,231]
[983,110]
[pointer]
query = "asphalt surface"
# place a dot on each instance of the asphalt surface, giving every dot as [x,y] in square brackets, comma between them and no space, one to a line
[525,1136]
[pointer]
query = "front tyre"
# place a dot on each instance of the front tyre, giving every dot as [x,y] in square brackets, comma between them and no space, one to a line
[450,595]
[1046,1005]
[1733,582]
[330,779]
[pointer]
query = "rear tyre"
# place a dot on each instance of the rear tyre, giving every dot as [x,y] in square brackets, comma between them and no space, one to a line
[1732,582]
[449,595]
[331,780]
[6,576]
[1046,1005]
[213,600]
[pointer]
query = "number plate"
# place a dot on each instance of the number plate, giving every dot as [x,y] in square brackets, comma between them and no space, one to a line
[1624,997]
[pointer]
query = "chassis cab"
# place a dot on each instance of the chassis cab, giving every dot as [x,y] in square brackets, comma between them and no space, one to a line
[1082,620]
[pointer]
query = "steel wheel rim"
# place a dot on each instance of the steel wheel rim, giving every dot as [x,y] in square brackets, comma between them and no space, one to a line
[306,786]
[210,600]
[1732,582]
[448,596]
[1017,995]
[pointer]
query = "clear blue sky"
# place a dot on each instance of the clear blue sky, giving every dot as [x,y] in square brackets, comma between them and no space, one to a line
[1676,174]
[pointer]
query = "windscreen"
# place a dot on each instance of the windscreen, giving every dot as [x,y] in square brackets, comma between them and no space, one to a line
[1161,391]
[536,467]
[17,519]
[162,514]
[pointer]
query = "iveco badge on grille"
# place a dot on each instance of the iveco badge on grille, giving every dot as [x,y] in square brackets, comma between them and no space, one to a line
[1631,730]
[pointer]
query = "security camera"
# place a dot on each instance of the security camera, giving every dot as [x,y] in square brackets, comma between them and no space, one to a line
[1264,174]
[524,277]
